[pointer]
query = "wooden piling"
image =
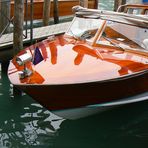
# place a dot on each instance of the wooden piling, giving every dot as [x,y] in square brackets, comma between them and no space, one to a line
[4,16]
[18,25]
[46,12]
[18,32]
[96,4]
[4,66]
[83,3]
[55,11]
[117,3]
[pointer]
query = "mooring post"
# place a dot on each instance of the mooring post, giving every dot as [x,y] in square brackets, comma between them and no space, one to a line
[18,25]
[117,3]
[46,12]
[4,66]
[31,21]
[83,3]
[55,11]
[18,30]
[4,16]
[96,4]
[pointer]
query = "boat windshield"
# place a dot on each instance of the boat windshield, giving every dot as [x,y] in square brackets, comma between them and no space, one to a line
[108,33]
[84,28]
[124,36]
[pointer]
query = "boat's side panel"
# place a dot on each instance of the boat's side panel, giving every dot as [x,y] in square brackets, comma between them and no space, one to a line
[77,113]
[55,97]
[61,80]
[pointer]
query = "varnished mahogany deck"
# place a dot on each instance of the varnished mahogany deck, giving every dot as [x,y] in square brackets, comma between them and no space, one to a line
[69,78]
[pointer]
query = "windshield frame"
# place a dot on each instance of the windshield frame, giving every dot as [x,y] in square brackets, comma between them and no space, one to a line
[101,31]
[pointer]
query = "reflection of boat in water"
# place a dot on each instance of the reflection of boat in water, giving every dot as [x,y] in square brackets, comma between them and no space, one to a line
[102,60]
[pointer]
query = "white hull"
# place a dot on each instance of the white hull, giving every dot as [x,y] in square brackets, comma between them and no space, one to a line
[98,108]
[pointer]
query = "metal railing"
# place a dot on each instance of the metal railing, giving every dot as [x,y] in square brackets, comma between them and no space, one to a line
[6,20]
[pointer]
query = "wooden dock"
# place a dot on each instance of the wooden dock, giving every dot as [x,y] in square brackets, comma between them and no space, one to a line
[6,41]
[38,34]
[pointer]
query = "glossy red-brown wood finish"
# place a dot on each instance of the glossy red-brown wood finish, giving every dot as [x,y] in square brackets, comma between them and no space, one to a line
[75,74]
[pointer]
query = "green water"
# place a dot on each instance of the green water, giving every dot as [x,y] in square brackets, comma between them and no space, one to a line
[25,123]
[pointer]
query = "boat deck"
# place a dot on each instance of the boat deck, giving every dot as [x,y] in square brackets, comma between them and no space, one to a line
[38,34]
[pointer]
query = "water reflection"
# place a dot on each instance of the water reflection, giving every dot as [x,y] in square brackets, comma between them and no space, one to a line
[121,127]
[23,122]
[28,129]
[29,126]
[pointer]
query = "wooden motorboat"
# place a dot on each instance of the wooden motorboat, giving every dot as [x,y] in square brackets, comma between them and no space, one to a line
[64,8]
[103,57]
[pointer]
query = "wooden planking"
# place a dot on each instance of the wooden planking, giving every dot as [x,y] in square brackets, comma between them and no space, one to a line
[64,8]
[38,33]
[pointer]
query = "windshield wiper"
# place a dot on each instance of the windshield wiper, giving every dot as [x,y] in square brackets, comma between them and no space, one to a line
[113,43]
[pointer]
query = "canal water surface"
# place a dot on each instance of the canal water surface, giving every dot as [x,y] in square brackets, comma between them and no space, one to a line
[25,123]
